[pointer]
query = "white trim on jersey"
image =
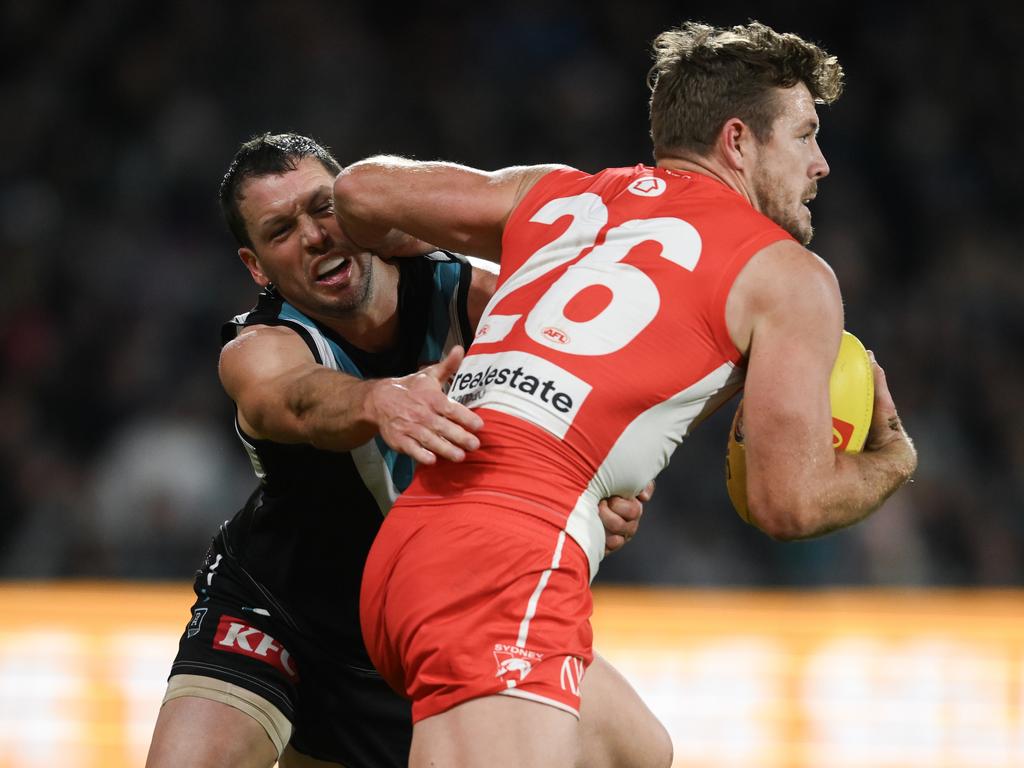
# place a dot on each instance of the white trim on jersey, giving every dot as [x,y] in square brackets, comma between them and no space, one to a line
[373,471]
[484,265]
[643,450]
[521,694]
[326,354]
[239,321]
[254,457]
[542,582]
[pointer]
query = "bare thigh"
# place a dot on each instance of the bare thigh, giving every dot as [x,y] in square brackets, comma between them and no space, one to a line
[617,730]
[497,732]
[202,733]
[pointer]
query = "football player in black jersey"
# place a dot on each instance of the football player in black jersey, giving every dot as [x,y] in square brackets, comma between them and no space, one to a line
[337,377]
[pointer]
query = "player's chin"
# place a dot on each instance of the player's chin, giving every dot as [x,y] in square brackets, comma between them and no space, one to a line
[806,235]
[804,230]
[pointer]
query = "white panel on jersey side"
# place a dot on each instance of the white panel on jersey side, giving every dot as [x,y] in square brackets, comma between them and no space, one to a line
[643,450]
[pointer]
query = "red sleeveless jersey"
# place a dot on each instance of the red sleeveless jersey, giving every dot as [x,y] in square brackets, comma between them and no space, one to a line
[604,344]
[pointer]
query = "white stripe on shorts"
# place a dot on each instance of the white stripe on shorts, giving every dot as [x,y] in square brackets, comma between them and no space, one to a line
[531,607]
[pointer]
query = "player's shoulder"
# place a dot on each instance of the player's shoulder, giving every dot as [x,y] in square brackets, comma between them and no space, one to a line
[786,257]
[531,181]
[786,275]
[547,182]
[785,284]
[567,175]
[254,339]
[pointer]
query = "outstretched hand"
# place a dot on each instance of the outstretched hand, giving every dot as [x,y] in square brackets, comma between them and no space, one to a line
[415,416]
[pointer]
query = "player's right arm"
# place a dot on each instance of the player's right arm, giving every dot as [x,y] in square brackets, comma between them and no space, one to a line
[283,394]
[785,314]
[382,202]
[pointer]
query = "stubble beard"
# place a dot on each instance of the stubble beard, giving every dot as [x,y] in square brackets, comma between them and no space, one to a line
[355,300]
[773,205]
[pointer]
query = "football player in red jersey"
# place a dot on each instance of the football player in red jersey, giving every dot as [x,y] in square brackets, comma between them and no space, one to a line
[631,303]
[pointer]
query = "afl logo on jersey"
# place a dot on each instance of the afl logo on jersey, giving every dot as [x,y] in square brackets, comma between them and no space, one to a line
[557,335]
[648,186]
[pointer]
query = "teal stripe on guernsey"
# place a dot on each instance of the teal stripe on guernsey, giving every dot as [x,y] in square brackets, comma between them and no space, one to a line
[399,465]
[446,283]
[343,361]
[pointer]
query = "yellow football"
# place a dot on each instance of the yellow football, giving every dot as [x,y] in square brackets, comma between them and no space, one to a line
[852,396]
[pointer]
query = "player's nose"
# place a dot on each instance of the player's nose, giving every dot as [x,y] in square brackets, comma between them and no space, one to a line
[819,165]
[314,234]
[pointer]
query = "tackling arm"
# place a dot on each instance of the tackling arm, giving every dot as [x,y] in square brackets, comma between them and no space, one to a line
[382,202]
[283,394]
[785,312]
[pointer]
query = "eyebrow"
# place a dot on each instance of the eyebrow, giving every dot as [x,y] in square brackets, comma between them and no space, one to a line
[268,224]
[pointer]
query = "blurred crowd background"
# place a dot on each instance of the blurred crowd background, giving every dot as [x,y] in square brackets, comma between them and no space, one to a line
[117,452]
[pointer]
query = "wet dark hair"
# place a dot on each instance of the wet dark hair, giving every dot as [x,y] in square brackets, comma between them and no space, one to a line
[265,155]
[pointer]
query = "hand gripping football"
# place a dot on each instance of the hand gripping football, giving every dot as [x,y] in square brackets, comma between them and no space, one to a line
[852,395]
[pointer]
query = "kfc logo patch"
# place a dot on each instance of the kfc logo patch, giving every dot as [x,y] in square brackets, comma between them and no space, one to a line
[236,636]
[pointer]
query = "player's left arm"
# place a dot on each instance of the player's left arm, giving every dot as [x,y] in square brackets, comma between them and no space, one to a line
[383,201]
[798,486]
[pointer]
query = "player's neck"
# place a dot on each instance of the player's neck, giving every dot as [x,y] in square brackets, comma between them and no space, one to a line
[710,167]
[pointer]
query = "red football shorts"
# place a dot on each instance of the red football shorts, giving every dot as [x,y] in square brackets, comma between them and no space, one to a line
[468,600]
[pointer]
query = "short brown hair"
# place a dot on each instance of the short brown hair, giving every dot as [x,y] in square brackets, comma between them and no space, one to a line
[704,75]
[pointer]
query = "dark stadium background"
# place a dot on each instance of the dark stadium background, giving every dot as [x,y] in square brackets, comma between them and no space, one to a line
[117,456]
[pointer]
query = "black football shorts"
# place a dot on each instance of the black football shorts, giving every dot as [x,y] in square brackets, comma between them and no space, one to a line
[241,647]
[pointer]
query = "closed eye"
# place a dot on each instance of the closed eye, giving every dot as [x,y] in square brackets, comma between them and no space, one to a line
[278,232]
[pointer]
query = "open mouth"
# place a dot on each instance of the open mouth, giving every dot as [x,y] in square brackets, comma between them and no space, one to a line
[331,268]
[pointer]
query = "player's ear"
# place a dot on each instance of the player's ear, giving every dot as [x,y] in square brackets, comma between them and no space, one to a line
[252,263]
[735,143]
